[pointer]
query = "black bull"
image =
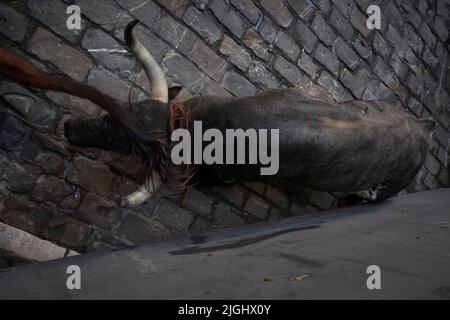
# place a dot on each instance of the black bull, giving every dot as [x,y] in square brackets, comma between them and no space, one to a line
[342,147]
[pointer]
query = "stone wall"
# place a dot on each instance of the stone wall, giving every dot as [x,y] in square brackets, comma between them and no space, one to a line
[234,47]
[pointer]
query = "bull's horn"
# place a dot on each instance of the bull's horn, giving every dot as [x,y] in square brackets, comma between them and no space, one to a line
[158,84]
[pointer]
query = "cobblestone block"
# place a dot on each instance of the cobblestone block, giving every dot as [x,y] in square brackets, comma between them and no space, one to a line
[37,111]
[380,45]
[237,55]
[338,21]
[307,65]
[105,14]
[106,50]
[204,25]
[383,71]
[257,207]
[90,175]
[13,134]
[208,61]
[277,197]
[323,30]
[228,17]
[303,8]
[427,35]
[255,43]
[358,20]
[175,33]
[287,45]
[345,6]
[287,70]
[307,39]
[145,11]
[268,30]
[227,216]
[323,200]
[278,10]
[345,53]
[238,85]
[53,14]
[13,24]
[248,9]
[334,87]
[362,46]
[198,202]
[353,83]
[99,211]
[440,29]
[174,217]
[235,194]
[48,161]
[327,58]
[141,231]
[429,58]
[259,74]
[399,67]
[49,48]
[177,7]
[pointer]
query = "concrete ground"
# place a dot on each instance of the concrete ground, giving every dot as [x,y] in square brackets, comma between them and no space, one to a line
[322,256]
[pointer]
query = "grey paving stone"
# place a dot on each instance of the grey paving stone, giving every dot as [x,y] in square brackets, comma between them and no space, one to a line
[49,48]
[174,217]
[327,58]
[53,14]
[105,14]
[259,74]
[345,6]
[278,11]
[248,9]
[399,67]
[353,83]
[268,30]
[203,24]
[236,54]
[106,50]
[345,53]
[238,85]
[383,71]
[287,70]
[255,43]
[37,111]
[198,202]
[427,35]
[286,44]
[175,33]
[141,231]
[440,29]
[145,11]
[228,17]
[235,194]
[334,87]
[227,216]
[305,36]
[177,7]
[323,30]
[257,207]
[380,45]
[339,22]
[307,64]
[362,46]
[303,8]
[358,20]
[208,61]
[13,24]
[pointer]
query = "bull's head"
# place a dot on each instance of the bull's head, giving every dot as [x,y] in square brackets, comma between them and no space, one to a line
[142,131]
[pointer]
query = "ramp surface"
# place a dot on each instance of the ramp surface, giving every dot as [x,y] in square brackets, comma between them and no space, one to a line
[316,256]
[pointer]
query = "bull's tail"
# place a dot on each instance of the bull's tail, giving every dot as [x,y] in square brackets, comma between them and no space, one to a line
[17,69]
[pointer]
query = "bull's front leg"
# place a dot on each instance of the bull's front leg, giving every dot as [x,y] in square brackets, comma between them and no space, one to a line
[138,197]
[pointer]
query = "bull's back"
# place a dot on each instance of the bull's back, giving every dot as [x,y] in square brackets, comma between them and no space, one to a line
[323,146]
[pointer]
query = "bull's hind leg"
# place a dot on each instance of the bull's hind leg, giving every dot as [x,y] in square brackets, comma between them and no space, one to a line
[142,194]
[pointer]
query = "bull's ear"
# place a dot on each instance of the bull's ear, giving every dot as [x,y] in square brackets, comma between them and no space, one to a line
[174,91]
